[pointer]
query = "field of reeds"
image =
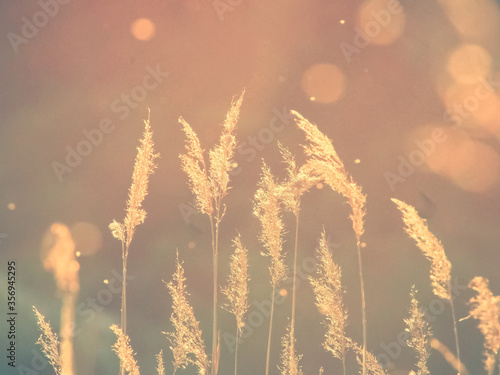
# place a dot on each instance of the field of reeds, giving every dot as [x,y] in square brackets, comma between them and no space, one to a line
[277,206]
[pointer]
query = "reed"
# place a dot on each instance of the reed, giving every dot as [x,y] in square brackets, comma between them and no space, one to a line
[420,334]
[187,344]
[210,186]
[267,208]
[324,162]
[485,307]
[327,287]
[236,291]
[135,214]
[431,247]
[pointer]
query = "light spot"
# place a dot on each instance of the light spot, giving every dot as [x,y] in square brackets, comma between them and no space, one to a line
[323,83]
[87,237]
[381,21]
[357,161]
[78,254]
[143,29]
[106,281]
[342,22]
[468,63]
[11,206]
[283,292]
[319,186]
[191,245]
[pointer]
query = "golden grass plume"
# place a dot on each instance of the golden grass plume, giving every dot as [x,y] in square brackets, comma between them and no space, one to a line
[324,162]
[289,358]
[144,166]
[267,208]
[236,289]
[420,333]
[329,293]
[210,185]
[49,343]
[431,247]
[187,344]
[160,368]
[124,351]
[485,307]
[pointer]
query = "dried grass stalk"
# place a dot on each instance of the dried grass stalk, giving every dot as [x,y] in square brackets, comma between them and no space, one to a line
[135,214]
[210,186]
[431,247]
[485,307]
[144,166]
[236,290]
[299,181]
[159,360]
[267,208]
[49,342]
[329,293]
[289,358]
[420,334]
[187,344]
[324,162]
[373,367]
[124,351]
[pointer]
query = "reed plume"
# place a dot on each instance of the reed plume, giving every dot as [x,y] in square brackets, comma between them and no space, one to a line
[124,351]
[299,181]
[60,258]
[210,186]
[373,367]
[324,162]
[236,290]
[160,369]
[267,208]
[187,344]
[135,214]
[289,358]
[485,307]
[49,342]
[431,247]
[329,293]
[420,334]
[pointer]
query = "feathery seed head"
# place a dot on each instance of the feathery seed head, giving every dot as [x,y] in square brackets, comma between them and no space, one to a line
[324,163]
[236,290]
[431,247]
[328,290]
[267,208]
[420,333]
[187,344]
[289,358]
[124,351]
[485,307]
[49,343]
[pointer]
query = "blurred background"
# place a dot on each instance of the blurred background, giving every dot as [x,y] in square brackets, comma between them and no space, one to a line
[408,91]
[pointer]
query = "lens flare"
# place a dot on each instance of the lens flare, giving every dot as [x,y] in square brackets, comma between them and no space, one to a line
[324,83]
[143,29]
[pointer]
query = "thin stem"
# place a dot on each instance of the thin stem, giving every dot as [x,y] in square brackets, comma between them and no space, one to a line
[236,349]
[270,330]
[215,247]
[123,323]
[295,267]
[343,364]
[363,305]
[455,329]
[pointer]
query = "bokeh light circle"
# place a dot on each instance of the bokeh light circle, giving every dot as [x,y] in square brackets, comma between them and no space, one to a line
[87,238]
[324,82]
[381,21]
[469,63]
[143,29]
